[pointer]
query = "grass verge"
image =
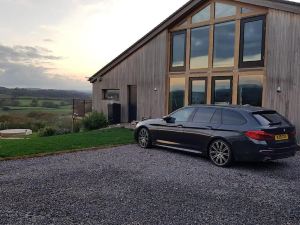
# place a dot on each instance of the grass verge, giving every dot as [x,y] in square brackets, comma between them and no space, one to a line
[37,146]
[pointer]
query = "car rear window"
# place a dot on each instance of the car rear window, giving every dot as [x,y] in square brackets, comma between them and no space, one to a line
[204,115]
[230,117]
[270,118]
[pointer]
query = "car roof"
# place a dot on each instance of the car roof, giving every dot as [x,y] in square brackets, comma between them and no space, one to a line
[246,108]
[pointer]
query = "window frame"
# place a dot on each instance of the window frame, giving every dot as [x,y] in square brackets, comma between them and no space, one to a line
[239,90]
[214,43]
[190,52]
[169,94]
[191,89]
[179,68]
[258,63]
[213,84]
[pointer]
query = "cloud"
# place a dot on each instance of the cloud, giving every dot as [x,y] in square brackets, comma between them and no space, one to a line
[25,54]
[48,40]
[28,67]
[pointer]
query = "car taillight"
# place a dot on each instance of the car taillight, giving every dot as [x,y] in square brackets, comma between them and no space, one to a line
[259,135]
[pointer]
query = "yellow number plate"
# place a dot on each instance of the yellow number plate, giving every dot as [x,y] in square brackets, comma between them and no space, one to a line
[281,137]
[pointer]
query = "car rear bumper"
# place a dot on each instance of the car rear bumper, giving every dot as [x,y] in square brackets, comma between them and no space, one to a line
[266,154]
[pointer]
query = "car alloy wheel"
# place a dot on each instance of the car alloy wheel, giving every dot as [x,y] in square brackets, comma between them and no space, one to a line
[144,138]
[220,153]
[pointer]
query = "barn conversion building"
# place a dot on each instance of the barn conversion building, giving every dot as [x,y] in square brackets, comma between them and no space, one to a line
[209,52]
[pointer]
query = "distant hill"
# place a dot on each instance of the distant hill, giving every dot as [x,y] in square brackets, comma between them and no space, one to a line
[42,93]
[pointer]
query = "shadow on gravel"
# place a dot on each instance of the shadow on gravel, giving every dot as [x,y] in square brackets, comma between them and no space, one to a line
[261,166]
[257,166]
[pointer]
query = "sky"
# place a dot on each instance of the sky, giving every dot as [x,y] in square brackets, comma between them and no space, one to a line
[59,43]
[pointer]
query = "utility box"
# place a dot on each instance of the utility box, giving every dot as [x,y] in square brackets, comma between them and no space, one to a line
[114,113]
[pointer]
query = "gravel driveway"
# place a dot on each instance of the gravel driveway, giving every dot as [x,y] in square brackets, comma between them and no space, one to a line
[129,185]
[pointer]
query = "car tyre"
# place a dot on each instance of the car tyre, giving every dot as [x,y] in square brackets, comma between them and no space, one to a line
[144,138]
[220,153]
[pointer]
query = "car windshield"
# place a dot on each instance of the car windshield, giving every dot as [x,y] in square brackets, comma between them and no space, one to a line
[270,118]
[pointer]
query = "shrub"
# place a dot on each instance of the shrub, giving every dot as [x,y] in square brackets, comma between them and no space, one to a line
[47,132]
[5,108]
[62,131]
[94,121]
[34,103]
[50,105]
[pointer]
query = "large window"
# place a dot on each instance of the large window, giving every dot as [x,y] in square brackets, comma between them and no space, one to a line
[222,90]
[199,47]
[252,46]
[178,51]
[224,44]
[111,94]
[197,91]
[250,90]
[177,91]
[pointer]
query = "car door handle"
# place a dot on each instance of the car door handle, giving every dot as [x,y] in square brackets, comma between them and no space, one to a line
[180,126]
[209,127]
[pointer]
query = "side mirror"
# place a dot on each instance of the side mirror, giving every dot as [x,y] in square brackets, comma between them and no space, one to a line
[167,119]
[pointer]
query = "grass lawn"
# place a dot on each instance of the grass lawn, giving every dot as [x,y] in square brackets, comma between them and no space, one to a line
[64,143]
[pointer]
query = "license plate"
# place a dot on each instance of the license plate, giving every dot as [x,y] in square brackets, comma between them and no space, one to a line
[281,137]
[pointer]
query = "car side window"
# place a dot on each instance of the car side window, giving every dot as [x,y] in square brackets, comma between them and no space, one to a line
[217,117]
[230,117]
[204,115]
[182,115]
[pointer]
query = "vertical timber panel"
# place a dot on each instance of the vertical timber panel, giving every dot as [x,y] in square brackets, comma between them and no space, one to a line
[283,64]
[145,68]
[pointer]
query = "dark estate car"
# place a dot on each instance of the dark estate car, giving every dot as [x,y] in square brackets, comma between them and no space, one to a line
[223,133]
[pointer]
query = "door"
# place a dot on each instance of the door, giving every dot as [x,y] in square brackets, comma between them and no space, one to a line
[169,131]
[197,133]
[132,103]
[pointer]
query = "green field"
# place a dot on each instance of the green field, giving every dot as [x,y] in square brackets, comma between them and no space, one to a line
[25,105]
[62,110]
[35,146]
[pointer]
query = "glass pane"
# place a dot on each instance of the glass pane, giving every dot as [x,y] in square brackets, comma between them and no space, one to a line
[246,10]
[204,115]
[223,10]
[253,35]
[267,118]
[201,16]
[230,117]
[177,89]
[222,93]
[199,47]
[112,95]
[182,115]
[198,92]
[224,44]
[250,90]
[178,50]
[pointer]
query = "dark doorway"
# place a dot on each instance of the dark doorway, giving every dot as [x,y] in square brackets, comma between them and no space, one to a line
[132,103]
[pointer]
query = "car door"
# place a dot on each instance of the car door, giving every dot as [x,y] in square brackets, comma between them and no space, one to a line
[170,131]
[197,132]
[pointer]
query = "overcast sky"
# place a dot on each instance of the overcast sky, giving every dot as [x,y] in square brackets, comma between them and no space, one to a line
[57,43]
